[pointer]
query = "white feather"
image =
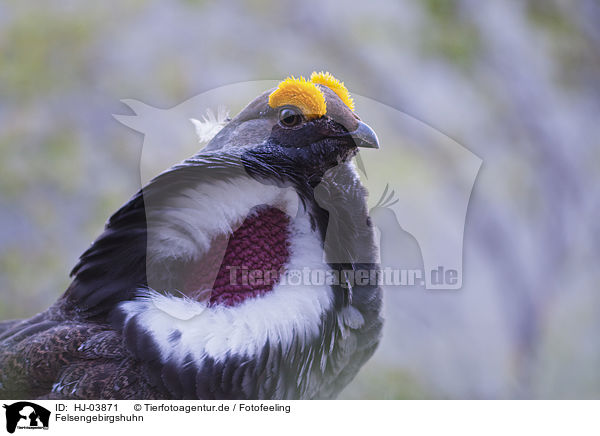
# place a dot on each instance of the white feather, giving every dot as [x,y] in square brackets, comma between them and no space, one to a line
[187,224]
[286,312]
[211,124]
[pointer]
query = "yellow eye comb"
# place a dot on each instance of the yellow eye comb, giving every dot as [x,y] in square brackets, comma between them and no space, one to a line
[301,93]
[327,79]
[307,96]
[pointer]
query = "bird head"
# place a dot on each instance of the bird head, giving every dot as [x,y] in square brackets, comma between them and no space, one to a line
[307,125]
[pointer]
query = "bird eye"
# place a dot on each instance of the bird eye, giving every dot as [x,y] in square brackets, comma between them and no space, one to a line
[289,117]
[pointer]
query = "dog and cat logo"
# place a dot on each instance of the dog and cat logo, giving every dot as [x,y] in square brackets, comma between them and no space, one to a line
[26,415]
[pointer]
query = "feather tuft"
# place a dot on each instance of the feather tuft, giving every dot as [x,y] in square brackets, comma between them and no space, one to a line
[211,123]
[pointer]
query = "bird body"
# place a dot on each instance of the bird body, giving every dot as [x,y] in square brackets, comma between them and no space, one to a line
[192,290]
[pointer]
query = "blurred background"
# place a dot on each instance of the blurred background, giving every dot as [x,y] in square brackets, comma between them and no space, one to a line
[515,82]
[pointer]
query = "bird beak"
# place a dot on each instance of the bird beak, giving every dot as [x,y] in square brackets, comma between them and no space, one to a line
[364,136]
